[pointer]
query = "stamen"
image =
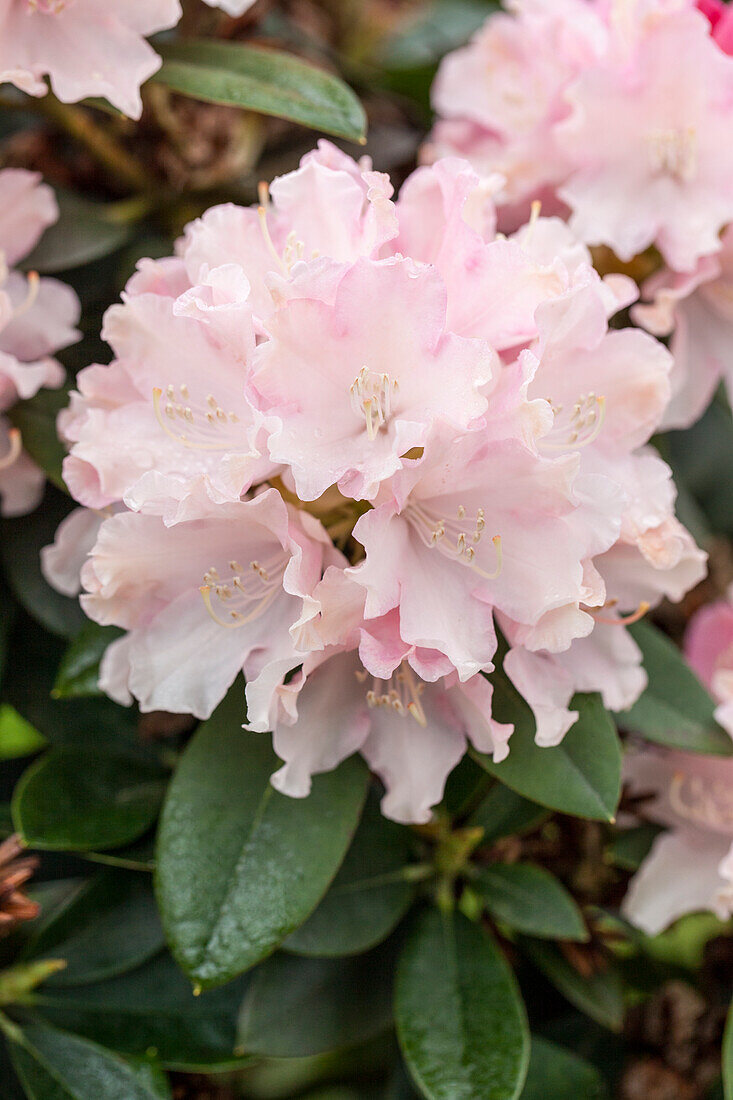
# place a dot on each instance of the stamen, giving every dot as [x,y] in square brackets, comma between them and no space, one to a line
[246,597]
[16,446]
[623,620]
[401,693]
[371,397]
[34,283]
[452,538]
[206,423]
[580,428]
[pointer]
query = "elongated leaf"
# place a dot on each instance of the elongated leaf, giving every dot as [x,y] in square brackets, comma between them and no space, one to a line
[675,710]
[17,737]
[581,776]
[531,900]
[263,80]
[108,927]
[460,1018]
[296,1007]
[152,1008]
[84,232]
[77,799]
[239,866]
[556,1074]
[728,1058]
[367,897]
[503,813]
[599,996]
[78,673]
[54,1065]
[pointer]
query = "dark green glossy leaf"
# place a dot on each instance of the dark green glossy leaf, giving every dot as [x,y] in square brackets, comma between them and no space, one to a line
[675,710]
[367,898]
[36,420]
[138,856]
[152,1008]
[460,1018]
[531,900]
[702,460]
[505,813]
[263,80]
[239,866]
[109,926]
[556,1074]
[85,231]
[581,776]
[78,673]
[54,1065]
[296,1007]
[728,1058]
[21,541]
[17,737]
[77,799]
[632,846]
[600,996]
[438,27]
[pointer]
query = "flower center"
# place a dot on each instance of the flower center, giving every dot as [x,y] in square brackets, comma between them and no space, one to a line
[401,693]
[673,152]
[197,424]
[707,802]
[453,537]
[371,398]
[48,7]
[576,426]
[245,594]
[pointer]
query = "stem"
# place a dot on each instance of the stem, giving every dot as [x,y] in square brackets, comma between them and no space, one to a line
[79,124]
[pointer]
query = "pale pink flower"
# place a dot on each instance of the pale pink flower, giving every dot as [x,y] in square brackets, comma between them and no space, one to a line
[696,308]
[202,600]
[649,140]
[411,732]
[231,7]
[357,383]
[37,318]
[330,206]
[690,866]
[709,650]
[85,47]
[167,422]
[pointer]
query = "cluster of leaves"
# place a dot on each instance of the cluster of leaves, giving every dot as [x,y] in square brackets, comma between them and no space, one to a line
[193,920]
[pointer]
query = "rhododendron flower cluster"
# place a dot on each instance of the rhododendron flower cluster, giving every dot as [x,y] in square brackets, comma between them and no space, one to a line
[343,439]
[87,47]
[691,865]
[37,318]
[617,115]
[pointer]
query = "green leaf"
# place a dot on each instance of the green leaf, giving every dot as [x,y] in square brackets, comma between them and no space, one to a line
[35,418]
[54,1065]
[108,926]
[297,1007]
[728,1057]
[21,541]
[76,799]
[530,899]
[505,813]
[556,1074]
[263,80]
[581,776]
[675,710]
[600,996]
[631,846]
[367,898]
[152,1008]
[239,866]
[78,673]
[17,737]
[437,28]
[460,1019]
[85,231]
[138,856]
